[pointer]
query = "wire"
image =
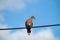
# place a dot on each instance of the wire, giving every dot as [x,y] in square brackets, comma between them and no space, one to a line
[46,26]
[32,27]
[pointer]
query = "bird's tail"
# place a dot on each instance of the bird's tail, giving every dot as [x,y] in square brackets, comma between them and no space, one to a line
[28,31]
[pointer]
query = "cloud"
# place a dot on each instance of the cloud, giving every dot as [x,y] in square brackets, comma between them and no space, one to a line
[12,4]
[42,35]
[22,34]
[4,34]
[15,4]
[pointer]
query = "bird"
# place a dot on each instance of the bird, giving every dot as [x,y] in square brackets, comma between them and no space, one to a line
[29,24]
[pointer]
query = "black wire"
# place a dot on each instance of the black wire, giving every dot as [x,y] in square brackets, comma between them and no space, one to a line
[32,27]
[12,28]
[46,26]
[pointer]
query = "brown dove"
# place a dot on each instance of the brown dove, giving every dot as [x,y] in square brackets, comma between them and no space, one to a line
[29,24]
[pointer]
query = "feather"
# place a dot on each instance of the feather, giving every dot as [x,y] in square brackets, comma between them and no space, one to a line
[29,24]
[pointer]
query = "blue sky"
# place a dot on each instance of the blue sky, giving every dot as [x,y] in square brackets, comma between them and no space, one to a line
[46,12]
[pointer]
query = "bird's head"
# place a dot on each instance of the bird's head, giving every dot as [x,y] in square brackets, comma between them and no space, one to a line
[32,17]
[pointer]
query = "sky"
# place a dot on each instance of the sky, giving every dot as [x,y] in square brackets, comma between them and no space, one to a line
[14,13]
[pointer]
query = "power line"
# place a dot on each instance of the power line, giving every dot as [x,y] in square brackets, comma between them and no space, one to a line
[32,27]
[46,26]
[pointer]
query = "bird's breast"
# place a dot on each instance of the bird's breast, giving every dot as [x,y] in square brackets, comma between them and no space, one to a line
[29,23]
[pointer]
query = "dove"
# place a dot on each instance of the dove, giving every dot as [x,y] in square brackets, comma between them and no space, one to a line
[29,24]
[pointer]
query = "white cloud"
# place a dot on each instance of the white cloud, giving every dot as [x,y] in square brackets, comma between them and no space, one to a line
[22,35]
[12,4]
[45,35]
[15,4]
[4,34]
[42,35]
